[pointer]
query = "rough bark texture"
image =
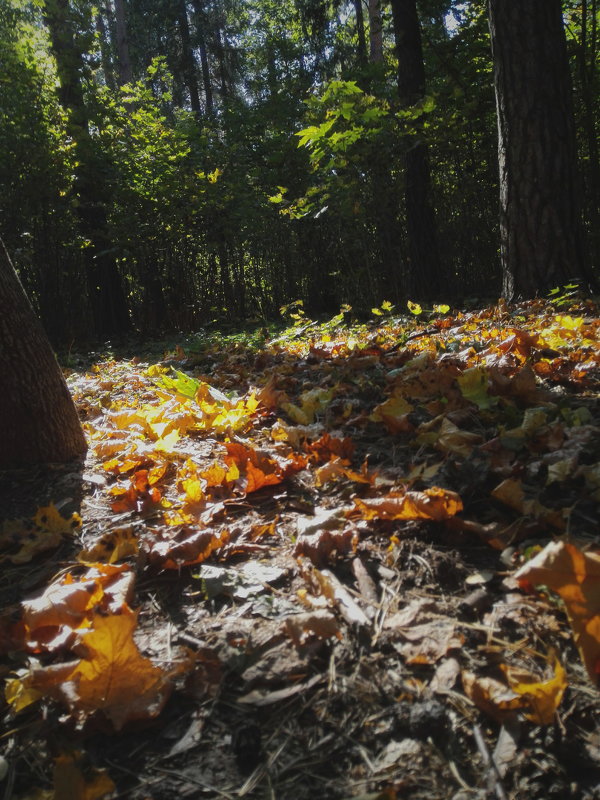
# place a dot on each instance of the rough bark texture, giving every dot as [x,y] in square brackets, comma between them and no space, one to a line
[375,32]
[38,421]
[125,71]
[540,223]
[424,267]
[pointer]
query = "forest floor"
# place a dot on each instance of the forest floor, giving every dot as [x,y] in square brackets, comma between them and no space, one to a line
[333,561]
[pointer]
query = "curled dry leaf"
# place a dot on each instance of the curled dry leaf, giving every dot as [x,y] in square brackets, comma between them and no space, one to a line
[319,623]
[435,504]
[575,576]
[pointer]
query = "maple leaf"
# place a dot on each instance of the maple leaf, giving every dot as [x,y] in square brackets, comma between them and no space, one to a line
[575,576]
[112,677]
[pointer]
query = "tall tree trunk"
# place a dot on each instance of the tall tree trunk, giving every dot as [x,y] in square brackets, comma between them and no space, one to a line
[107,299]
[188,62]
[38,421]
[375,32]
[204,65]
[125,71]
[587,76]
[107,64]
[424,267]
[360,32]
[540,222]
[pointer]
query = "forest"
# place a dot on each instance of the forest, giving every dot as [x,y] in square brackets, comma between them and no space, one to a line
[168,164]
[300,399]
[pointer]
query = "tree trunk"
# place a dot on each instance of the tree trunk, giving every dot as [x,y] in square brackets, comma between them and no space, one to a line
[424,267]
[360,32]
[38,421]
[540,222]
[125,71]
[204,65]
[106,295]
[188,61]
[106,59]
[375,32]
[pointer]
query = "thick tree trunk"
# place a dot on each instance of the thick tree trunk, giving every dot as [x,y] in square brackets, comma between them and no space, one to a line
[38,421]
[424,267]
[125,71]
[375,32]
[540,222]
[188,61]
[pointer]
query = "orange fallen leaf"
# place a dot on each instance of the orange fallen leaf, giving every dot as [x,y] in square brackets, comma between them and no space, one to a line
[72,781]
[435,504]
[542,697]
[575,576]
[113,677]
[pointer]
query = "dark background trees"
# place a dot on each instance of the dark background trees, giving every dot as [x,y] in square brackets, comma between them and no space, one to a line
[151,176]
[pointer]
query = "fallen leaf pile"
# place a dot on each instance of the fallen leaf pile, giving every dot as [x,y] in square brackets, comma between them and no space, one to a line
[284,482]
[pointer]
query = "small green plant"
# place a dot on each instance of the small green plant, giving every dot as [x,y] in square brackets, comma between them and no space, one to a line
[417,310]
[384,310]
[562,296]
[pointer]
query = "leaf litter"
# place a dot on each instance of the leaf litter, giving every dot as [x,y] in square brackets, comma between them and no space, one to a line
[351,561]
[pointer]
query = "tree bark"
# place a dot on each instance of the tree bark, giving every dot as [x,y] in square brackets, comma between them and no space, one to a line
[375,32]
[188,61]
[107,65]
[38,421]
[360,32]
[424,267]
[125,71]
[540,219]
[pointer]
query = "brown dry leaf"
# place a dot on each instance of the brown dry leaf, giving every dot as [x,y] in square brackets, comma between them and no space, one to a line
[185,547]
[435,504]
[327,446]
[575,576]
[72,782]
[511,493]
[339,468]
[490,696]
[320,545]
[542,697]
[113,677]
[429,642]
[320,623]
[394,414]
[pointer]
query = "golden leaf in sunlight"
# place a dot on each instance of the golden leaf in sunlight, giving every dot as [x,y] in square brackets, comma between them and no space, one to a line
[312,403]
[19,694]
[542,697]
[138,496]
[73,781]
[50,618]
[394,414]
[575,576]
[113,677]
[435,504]
[112,546]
